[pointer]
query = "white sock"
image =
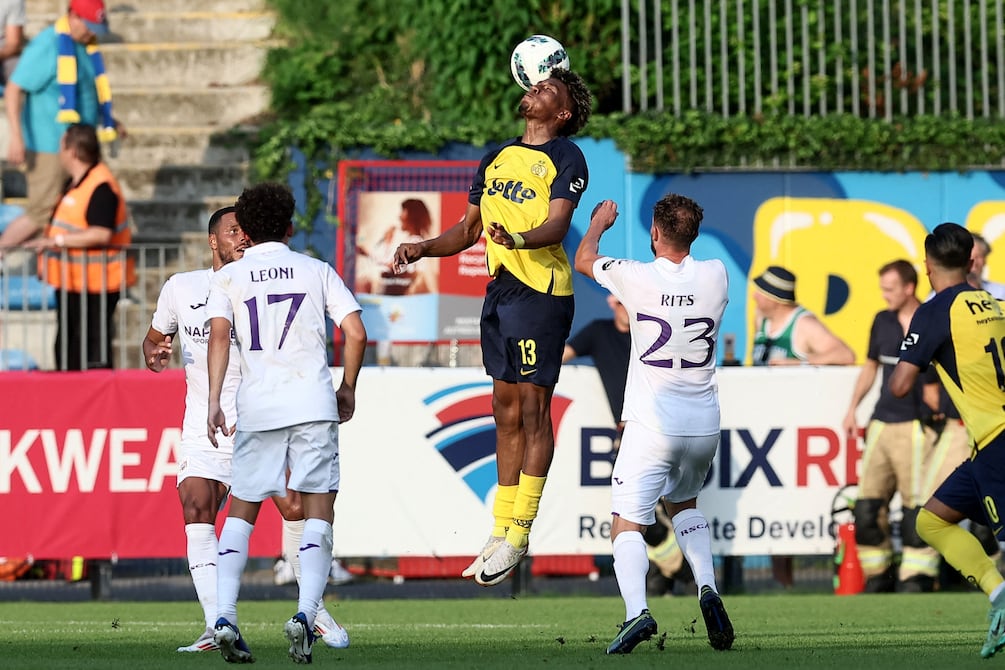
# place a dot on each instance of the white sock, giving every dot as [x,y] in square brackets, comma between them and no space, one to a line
[232,557]
[316,562]
[293,532]
[631,563]
[695,542]
[202,558]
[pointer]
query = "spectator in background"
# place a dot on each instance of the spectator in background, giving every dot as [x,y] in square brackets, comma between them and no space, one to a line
[785,333]
[609,344]
[83,253]
[897,450]
[978,260]
[42,100]
[12,19]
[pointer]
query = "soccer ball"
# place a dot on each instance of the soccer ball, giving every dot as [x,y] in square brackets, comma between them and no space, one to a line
[534,59]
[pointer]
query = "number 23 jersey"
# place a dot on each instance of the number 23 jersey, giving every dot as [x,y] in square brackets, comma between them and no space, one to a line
[675,310]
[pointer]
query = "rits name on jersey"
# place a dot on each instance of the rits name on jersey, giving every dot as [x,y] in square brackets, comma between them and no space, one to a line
[676,300]
[511,190]
[267,274]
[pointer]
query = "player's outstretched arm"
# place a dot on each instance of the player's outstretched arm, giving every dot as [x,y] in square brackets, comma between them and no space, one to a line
[354,334]
[604,215]
[453,240]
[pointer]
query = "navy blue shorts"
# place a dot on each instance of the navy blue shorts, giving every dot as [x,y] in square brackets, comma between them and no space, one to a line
[976,488]
[524,332]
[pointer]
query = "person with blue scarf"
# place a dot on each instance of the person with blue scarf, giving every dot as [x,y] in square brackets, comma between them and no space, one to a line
[60,80]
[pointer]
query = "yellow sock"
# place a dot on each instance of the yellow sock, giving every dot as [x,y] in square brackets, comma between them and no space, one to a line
[502,509]
[528,497]
[961,549]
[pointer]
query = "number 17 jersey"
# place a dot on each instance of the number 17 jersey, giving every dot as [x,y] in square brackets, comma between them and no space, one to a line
[276,299]
[675,310]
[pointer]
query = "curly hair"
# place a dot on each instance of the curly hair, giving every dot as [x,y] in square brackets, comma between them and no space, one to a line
[678,217]
[581,98]
[265,211]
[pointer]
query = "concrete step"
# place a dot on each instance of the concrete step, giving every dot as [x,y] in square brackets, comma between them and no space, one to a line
[168,220]
[119,6]
[194,26]
[191,65]
[177,106]
[204,145]
[180,183]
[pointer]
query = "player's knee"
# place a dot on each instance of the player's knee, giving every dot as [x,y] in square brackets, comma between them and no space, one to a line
[197,510]
[909,528]
[867,530]
[928,525]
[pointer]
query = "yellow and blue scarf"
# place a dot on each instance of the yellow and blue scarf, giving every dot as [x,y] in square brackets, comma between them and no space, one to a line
[66,77]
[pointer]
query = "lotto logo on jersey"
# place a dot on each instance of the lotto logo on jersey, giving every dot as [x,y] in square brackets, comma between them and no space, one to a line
[466,436]
[514,191]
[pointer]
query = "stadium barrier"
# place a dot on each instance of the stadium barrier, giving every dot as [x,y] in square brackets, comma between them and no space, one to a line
[94,453]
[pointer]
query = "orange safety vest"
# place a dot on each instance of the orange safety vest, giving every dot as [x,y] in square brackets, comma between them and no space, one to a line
[107,269]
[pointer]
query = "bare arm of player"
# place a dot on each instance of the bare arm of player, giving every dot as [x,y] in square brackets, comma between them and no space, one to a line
[903,378]
[866,378]
[156,350]
[551,232]
[354,333]
[453,240]
[603,217]
[217,360]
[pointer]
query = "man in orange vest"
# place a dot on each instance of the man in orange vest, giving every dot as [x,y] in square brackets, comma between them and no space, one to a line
[83,253]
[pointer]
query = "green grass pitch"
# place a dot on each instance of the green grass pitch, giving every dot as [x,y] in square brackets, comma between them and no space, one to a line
[943,630]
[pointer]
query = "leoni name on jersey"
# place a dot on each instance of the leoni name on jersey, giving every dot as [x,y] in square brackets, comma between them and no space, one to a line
[266,274]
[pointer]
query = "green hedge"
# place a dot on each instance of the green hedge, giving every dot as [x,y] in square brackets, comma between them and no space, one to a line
[397,76]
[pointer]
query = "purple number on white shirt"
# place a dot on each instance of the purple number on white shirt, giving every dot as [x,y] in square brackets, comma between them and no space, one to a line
[296,299]
[666,331]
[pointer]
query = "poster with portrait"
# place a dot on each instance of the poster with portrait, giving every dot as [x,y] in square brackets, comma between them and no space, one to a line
[389,203]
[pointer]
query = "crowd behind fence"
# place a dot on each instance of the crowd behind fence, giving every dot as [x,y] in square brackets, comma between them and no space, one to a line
[869,58]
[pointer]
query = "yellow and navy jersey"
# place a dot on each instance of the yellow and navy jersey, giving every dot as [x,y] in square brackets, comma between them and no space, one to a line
[962,331]
[514,187]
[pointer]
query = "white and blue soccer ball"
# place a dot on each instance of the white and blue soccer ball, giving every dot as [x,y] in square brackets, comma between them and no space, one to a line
[534,59]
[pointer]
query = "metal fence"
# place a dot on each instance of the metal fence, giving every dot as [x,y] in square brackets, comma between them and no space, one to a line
[870,58]
[28,308]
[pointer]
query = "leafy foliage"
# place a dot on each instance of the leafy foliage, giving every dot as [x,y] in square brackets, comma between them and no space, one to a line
[390,77]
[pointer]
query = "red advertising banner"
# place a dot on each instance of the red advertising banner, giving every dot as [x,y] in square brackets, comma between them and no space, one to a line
[88,463]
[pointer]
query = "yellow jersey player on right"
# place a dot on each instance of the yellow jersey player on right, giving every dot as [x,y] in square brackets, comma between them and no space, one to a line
[962,331]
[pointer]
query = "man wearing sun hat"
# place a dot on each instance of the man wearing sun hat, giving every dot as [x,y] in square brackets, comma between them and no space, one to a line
[60,80]
[788,334]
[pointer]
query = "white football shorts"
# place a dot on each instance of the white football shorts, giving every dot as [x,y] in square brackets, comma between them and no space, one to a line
[650,465]
[308,450]
[205,463]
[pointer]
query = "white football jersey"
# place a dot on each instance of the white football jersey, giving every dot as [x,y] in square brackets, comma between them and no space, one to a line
[276,299]
[675,312]
[181,310]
